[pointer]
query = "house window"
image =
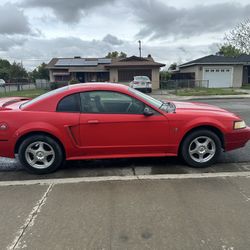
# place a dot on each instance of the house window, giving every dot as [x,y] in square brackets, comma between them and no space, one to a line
[228,70]
[217,70]
[222,70]
[212,70]
[207,70]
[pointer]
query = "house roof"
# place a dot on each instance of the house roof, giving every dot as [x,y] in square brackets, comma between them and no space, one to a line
[216,59]
[101,63]
[69,63]
[134,61]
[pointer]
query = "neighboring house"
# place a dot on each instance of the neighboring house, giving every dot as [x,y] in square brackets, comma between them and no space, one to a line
[220,71]
[117,70]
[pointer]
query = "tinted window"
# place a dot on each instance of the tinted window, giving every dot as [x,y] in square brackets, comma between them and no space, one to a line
[69,104]
[109,102]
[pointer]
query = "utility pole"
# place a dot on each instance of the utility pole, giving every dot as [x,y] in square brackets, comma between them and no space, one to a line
[139,47]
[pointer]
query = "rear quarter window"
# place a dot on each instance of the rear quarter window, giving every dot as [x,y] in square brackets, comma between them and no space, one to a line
[70,103]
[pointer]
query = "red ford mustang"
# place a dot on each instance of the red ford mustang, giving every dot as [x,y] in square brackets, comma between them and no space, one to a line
[98,120]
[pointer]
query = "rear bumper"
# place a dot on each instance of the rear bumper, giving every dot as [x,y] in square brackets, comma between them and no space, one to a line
[6,149]
[237,139]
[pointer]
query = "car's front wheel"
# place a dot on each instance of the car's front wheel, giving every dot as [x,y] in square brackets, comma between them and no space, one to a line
[40,154]
[201,148]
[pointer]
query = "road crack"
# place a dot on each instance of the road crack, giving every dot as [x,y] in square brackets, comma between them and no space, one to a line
[29,222]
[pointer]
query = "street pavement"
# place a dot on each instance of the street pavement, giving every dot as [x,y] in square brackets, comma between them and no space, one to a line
[189,213]
[155,203]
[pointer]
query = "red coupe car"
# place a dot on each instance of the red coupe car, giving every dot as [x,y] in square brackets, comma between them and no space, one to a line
[99,120]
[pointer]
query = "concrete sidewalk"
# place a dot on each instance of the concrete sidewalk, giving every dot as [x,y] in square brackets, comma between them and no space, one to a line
[195,213]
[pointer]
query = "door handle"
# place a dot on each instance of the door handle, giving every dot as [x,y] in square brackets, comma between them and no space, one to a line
[93,121]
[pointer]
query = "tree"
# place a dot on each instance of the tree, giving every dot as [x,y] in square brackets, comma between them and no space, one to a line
[239,37]
[40,73]
[122,55]
[14,71]
[115,54]
[165,75]
[229,50]
[17,71]
[4,69]
[173,66]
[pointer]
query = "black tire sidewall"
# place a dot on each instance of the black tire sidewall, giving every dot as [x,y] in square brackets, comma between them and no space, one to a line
[59,157]
[185,146]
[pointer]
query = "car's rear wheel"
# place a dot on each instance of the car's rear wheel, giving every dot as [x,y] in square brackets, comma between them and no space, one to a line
[201,148]
[40,154]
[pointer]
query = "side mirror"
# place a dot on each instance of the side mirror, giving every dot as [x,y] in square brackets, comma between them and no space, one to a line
[147,112]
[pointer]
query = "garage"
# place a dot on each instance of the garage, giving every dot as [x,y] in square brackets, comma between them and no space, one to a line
[218,77]
[127,75]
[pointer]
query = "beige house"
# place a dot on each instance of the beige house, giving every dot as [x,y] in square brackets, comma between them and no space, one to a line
[118,70]
[220,71]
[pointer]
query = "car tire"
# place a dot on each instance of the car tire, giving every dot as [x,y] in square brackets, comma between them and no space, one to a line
[201,148]
[40,154]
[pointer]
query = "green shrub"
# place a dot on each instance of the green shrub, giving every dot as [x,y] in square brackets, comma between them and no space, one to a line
[73,81]
[56,85]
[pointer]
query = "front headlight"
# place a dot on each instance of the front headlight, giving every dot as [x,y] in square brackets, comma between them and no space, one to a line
[239,124]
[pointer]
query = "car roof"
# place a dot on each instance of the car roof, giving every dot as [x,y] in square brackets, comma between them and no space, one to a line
[98,85]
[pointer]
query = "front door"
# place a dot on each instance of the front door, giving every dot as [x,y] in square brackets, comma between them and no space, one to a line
[113,123]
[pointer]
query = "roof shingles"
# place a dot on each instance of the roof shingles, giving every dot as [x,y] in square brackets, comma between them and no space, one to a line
[115,62]
[216,59]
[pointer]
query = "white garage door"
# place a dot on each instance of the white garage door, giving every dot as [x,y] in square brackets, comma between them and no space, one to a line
[218,77]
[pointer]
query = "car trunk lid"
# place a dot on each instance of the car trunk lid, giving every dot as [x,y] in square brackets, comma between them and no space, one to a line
[8,103]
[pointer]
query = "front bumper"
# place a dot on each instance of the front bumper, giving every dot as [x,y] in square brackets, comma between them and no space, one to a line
[237,139]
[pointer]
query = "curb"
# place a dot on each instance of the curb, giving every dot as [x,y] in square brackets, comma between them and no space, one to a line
[57,181]
[216,97]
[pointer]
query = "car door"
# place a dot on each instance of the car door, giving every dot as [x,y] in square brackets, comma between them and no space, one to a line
[113,123]
[68,116]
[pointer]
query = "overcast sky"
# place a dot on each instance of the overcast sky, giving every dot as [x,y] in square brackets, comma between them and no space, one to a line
[33,31]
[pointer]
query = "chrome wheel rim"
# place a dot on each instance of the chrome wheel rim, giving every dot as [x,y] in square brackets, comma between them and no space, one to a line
[202,149]
[40,155]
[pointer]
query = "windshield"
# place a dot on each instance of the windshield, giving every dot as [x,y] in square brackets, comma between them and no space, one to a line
[168,107]
[144,78]
[151,100]
[41,97]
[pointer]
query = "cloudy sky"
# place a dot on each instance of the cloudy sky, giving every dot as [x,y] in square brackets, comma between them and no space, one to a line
[33,31]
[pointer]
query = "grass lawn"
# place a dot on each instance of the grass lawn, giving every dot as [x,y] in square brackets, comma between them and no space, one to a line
[31,93]
[245,86]
[208,91]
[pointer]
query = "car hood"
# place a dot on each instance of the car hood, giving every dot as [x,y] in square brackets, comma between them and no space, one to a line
[198,107]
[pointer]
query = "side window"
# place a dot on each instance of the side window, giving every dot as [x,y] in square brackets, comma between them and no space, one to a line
[110,102]
[70,103]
